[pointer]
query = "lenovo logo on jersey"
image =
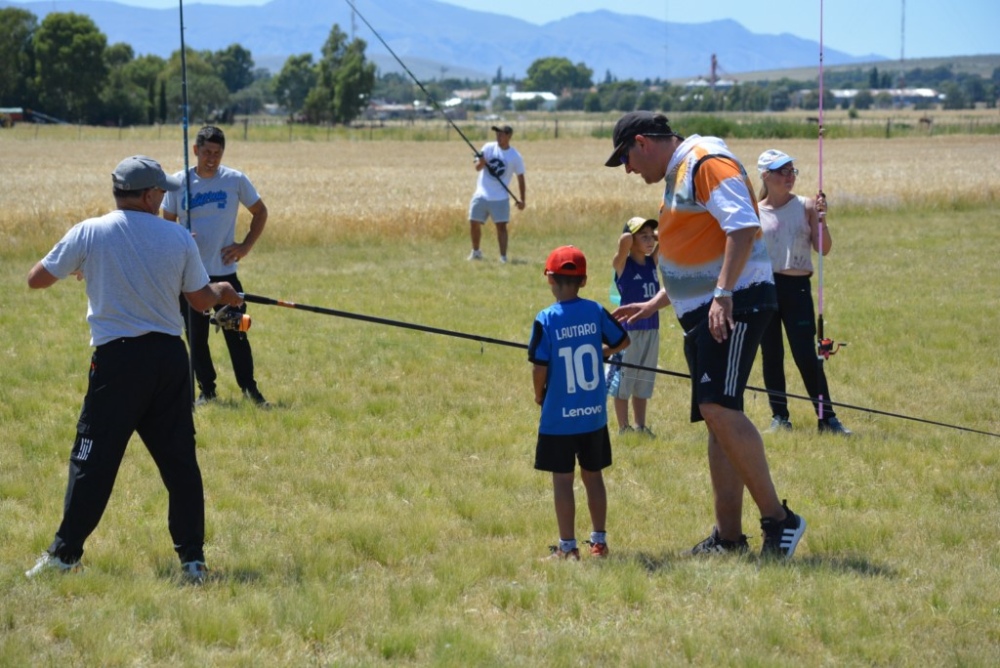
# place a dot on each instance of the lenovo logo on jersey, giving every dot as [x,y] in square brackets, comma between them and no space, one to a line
[580,412]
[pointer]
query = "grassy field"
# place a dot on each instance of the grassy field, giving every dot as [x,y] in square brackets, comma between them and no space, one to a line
[385,510]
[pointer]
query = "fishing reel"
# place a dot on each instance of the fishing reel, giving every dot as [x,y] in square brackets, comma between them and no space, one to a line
[230,318]
[827,347]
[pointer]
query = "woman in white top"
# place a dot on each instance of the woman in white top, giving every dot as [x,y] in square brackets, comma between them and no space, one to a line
[791,226]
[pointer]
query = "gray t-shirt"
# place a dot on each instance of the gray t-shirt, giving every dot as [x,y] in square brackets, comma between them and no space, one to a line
[135,266]
[214,205]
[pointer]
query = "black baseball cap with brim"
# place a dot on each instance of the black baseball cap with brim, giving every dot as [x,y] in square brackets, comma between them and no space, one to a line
[634,123]
[506,129]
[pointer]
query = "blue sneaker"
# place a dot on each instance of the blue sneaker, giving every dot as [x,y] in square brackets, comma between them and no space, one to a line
[194,572]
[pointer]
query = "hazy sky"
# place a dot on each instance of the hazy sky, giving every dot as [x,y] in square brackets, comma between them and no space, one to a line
[858,27]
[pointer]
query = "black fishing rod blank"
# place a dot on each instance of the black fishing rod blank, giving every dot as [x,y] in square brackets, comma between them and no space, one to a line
[232,323]
[257,299]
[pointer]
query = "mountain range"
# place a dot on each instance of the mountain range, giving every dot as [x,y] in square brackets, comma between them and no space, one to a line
[438,40]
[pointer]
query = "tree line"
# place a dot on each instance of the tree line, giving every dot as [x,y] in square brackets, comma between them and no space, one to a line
[64,67]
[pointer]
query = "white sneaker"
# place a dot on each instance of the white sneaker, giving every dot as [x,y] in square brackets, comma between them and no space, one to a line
[475,255]
[503,259]
[194,572]
[49,562]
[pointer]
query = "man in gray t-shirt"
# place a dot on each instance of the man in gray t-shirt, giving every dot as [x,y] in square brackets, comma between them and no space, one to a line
[217,192]
[134,264]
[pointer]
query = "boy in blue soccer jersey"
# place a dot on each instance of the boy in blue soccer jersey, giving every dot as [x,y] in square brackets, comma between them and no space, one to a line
[636,280]
[569,341]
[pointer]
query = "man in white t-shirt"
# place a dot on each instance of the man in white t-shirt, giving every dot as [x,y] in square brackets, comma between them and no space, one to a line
[134,264]
[495,163]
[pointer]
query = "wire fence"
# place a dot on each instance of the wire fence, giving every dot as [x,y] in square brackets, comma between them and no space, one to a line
[552,126]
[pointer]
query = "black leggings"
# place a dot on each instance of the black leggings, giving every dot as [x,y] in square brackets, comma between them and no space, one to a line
[795,312]
[137,385]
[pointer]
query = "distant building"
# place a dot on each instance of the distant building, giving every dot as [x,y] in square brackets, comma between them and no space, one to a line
[548,100]
[899,96]
[380,110]
[472,94]
[702,82]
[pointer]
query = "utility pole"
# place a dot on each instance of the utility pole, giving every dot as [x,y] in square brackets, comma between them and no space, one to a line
[901,80]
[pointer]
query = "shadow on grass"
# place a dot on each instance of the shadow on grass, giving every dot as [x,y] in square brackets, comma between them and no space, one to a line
[238,576]
[655,563]
[857,565]
[237,403]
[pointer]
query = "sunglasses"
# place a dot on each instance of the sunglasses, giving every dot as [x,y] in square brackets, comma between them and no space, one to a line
[624,156]
[786,171]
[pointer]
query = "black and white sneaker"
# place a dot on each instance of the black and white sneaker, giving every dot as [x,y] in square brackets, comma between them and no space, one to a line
[779,423]
[782,537]
[254,395]
[833,426]
[205,398]
[716,545]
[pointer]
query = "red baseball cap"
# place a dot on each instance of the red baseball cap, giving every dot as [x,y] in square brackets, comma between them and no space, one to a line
[566,261]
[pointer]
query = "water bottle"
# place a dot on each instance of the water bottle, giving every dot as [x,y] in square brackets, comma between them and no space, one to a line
[613,294]
[614,376]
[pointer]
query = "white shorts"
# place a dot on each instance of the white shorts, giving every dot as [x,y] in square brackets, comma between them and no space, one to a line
[498,209]
[643,350]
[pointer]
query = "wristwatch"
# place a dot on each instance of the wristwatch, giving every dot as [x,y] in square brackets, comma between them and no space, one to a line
[719,293]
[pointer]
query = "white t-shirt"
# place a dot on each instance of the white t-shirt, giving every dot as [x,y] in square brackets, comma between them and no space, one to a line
[135,266]
[214,205]
[788,235]
[504,163]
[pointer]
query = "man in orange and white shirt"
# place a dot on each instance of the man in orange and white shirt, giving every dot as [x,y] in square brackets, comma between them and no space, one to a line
[716,273]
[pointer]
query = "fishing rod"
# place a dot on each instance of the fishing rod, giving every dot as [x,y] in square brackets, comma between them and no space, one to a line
[186,204]
[430,98]
[825,347]
[257,299]
[240,322]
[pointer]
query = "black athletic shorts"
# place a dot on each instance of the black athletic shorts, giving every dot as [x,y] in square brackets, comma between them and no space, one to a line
[559,453]
[719,371]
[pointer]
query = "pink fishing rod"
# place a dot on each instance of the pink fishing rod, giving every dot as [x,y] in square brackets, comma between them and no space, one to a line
[824,346]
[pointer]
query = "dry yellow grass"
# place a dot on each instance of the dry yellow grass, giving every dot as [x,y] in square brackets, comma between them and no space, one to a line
[321,191]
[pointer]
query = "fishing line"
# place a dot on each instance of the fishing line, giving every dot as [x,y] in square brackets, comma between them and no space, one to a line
[431,99]
[258,299]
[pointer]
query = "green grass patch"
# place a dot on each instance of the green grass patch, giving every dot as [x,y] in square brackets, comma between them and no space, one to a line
[385,511]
